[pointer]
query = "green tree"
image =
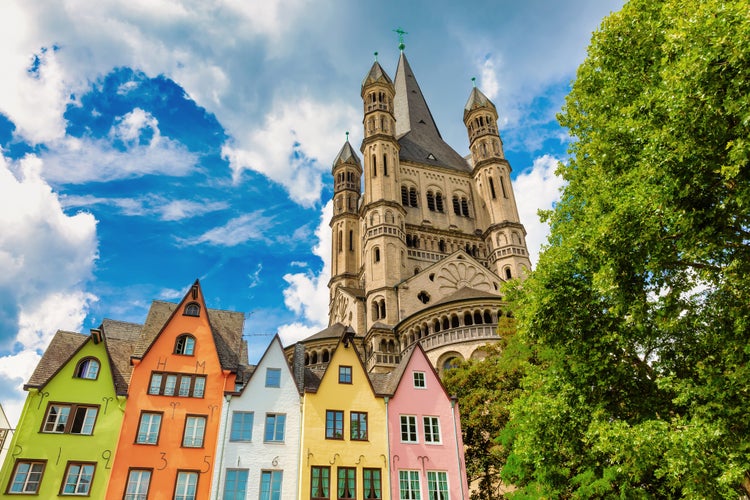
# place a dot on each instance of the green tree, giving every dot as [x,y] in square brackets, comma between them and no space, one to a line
[639,307]
[485,389]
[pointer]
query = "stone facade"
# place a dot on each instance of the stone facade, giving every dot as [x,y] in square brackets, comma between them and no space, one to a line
[422,237]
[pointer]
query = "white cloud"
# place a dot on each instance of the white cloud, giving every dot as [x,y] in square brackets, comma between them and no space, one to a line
[144,151]
[247,227]
[151,205]
[488,77]
[46,257]
[307,294]
[537,188]
[294,146]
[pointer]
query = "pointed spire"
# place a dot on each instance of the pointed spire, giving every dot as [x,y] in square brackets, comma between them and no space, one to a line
[347,154]
[376,74]
[477,100]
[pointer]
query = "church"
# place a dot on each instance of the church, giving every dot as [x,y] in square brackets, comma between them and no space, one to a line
[422,236]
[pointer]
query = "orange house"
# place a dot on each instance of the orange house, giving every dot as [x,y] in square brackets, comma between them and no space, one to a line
[186,359]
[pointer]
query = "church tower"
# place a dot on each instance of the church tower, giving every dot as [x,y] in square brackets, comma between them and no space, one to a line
[420,254]
[505,236]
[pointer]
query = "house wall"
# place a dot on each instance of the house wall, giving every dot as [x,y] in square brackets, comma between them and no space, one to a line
[30,443]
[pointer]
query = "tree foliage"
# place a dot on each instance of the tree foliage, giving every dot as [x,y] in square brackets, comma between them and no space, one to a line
[485,389]
[639,307]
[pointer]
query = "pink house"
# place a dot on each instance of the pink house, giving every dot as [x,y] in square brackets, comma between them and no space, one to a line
[426,449]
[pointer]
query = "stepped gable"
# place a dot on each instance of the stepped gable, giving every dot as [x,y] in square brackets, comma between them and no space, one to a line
[416,132]
[61,348]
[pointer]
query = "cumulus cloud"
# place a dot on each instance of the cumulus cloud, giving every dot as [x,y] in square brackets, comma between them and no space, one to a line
[488,76]
[47,257]
[294,145]
[307,293]
[537,188]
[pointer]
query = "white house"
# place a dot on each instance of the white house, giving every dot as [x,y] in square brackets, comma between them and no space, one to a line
[260,434]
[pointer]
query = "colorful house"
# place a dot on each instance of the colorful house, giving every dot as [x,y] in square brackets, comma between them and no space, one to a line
[344,451]
[260,429]
[67,434]
[185,361]
[427,458]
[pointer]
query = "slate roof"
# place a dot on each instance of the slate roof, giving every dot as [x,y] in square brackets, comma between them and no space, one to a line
[332,332]
[226,327]
[376,74]
[120,338]
[477,100]
[355,292]
[467,293]
[347,155]
[416,131]
[61,348]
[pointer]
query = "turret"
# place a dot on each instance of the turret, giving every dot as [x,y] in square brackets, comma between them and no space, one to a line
[505,236]
[346,250]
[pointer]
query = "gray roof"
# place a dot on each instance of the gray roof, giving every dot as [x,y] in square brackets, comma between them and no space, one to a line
[376,74]
[61,348]
[467,293]
[347,155]
[477,100]
[416,131]
[121,338]
[334,331]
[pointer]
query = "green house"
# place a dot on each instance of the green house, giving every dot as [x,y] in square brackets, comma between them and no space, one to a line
[65,440]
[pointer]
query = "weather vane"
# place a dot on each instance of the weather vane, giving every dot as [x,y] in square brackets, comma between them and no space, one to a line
[376,56]
[347,136]
[401,34]
[474,81]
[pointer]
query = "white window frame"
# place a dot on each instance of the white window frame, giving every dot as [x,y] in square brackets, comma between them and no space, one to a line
[149,431]
[420,380]
[410,478]
[431,426]
[195,431]
[436,479]
[409,427]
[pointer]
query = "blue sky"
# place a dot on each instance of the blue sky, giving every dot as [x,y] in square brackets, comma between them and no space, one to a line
[152,142]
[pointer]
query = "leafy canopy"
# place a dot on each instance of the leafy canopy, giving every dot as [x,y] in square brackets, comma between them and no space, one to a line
[639,307]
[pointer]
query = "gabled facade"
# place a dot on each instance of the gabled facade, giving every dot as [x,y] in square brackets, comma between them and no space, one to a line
[66,438]
[184,363]
[427,459]
[344,452]
[261,429]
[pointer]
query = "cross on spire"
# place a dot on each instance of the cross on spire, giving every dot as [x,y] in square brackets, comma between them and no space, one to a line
[401,34]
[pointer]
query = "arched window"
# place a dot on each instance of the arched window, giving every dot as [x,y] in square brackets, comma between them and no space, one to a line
[508,274]
[185,345]
[385,164]
[477,318]
[341,243]
[87,368]
[487,317]
[404,196]
[441,245]
[454,321]
[456,206]
[413,199]
[464,207]
[450,363]
[383,346]
[436,325]
[314,359]
[446,323]
[467,319]
[439,201]
[376,254]
[326,356]
[382,309]
[351,240]
[492,189]
[374,166]
[430,201]
[391,346]
[192,309]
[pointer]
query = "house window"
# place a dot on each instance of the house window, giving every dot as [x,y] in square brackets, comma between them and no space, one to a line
[419,380]
[26,477]
[87,368]
[371,481]
[185,345]
[320,478]
[430,201]
[70,419]
[347,483]
[138,483]
[274,432]
[235,484]
[408,429]
[404,196]
[192,309]
[358,426]
[195,429]
[334,424]
[148,428]
[270,485]
[273,377]
[345,374]
[187,484]
[185,385]
[437,485]
[408,485]
[242,426]
[413,197]
[431,430]
[439,202]
[78,478]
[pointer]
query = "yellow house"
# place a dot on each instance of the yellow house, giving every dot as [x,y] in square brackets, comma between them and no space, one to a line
[344,452]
